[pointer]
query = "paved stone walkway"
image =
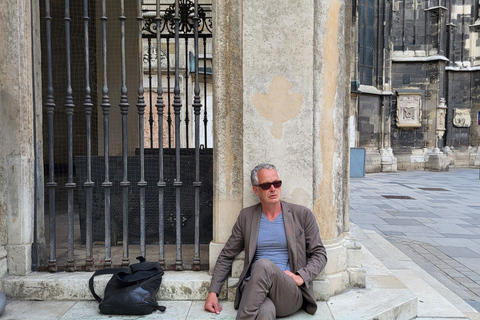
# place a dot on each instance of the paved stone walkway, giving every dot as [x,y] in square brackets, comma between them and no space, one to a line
[433,217]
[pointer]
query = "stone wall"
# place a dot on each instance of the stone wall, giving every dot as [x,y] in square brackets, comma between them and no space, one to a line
[431,55]
[17,159]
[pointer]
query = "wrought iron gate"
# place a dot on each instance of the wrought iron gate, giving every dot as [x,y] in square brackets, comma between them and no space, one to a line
[152,196]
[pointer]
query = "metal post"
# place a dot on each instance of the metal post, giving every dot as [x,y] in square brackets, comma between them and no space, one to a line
[141,134]
[69,106]
[88,113]
[150,119]
[205,119]
[177,106]
[125,183]
[161,182]
[50,106]
[106,112]
[169,112]
[197,184]
[187,119]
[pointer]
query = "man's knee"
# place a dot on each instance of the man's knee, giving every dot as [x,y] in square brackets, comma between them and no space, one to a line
[263,264]
[264,269]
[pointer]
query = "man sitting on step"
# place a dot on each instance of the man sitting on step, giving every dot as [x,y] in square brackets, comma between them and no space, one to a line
[283,254]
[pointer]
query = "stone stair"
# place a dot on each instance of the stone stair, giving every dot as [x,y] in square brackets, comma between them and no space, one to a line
[396,288]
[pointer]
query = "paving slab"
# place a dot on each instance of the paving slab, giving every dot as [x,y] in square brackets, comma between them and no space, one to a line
[447,207]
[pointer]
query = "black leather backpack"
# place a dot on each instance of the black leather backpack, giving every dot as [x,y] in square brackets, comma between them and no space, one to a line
[131,290]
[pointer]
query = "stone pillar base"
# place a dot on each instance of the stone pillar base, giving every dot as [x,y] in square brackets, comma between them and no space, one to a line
[373,161]
[437,161]
[344,268]
[3,262]
[19,259]
[389,162]
[477,158]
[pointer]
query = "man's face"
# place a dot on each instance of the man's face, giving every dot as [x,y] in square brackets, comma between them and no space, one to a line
[272,195]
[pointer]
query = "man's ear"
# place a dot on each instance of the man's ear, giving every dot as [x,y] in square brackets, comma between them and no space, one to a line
[255,190]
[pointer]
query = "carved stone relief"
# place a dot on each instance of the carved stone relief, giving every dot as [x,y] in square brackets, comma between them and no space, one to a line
[441,112]
[409,109]
[461,118]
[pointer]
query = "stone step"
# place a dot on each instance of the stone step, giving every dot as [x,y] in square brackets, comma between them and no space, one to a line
[396,288]
[385,296]
[185,285]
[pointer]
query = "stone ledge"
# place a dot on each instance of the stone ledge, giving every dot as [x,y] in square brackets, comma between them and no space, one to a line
[185,285]
[385,296]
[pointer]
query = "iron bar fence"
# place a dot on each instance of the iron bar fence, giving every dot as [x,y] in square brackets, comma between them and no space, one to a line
[94,155]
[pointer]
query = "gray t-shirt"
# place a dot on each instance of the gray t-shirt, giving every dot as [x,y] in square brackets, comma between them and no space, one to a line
[272,242]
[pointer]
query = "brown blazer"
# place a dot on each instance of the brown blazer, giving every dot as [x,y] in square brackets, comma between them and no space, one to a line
[306,252]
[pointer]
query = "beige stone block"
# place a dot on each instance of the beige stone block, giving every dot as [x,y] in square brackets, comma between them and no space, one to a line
[321,288]
[238,263]
[354,254]
[338,282]
[19,259]
[214,251]
[337,257]
[232,284]
[357,277]
[3,261]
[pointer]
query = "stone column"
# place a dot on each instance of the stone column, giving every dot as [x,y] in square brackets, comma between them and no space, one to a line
[330,150]
[228,176]
[280,88]
[17,165]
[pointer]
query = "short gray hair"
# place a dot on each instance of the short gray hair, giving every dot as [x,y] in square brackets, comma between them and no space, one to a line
[254,174]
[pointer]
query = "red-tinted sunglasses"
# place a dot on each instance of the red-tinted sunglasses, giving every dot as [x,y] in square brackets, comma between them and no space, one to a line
[265,186]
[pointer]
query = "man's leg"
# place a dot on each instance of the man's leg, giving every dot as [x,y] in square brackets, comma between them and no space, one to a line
[266,310]
[268,280]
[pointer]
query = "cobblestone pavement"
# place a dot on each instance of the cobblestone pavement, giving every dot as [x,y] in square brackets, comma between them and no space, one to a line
[433,217]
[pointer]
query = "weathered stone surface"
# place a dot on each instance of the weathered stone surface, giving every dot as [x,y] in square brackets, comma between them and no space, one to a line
[17,136]
[186,285]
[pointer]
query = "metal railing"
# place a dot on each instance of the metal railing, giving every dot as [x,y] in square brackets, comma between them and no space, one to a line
[85,188]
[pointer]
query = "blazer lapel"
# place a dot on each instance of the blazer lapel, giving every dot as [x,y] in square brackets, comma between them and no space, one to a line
[254,227]
[290,235]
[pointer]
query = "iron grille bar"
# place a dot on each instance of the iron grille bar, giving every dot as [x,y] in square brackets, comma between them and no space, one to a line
[169,113]
[107,184]
[177,106]
[187,120]
[141,134]
[124,111]
[88,113]
[197,184]
[161,182]
[50,106]
[69,106]
[150,119]
[205,119]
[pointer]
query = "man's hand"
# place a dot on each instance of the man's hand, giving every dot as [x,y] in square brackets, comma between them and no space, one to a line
[295,277]
[212,303]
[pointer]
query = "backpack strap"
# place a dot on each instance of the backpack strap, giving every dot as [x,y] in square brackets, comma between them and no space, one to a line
[160,308]
[100,272]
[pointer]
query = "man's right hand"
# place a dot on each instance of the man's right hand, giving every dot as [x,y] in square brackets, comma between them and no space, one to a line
[212,303]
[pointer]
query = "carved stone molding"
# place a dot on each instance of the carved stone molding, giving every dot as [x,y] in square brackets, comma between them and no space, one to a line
[409,108]
[462,118]
[441,112]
